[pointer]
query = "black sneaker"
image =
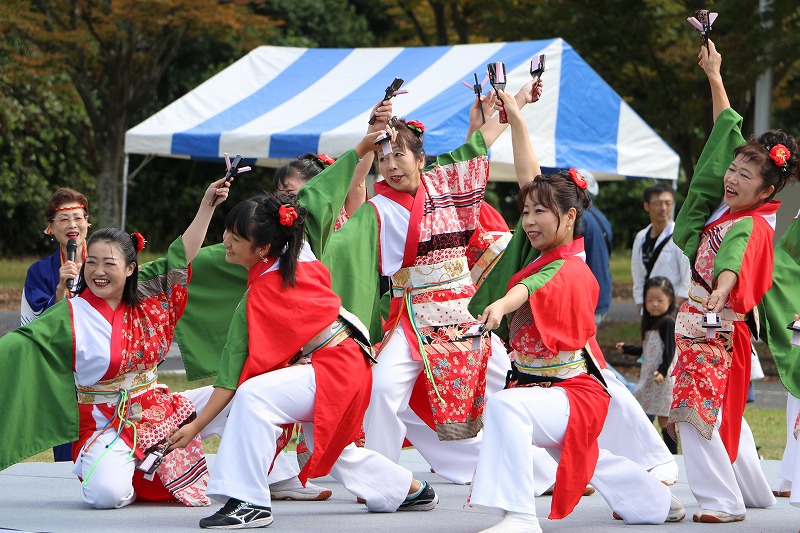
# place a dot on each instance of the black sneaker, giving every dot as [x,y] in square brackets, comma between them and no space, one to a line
[424,501]
[237,514]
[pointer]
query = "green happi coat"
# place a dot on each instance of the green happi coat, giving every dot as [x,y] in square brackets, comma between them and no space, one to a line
[782,301]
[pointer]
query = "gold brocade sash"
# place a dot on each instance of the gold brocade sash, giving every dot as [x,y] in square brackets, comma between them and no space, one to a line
[109,391]
[446,275]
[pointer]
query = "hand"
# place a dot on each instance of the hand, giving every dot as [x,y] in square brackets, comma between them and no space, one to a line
[619,346]
[796,318]
[488,103]
[367,143]
[182,436]
[715,301]
[383,113]
[492,315]
[710,60]
[217,192]
[509,103]
[657,377]
[530,92]
[68,270]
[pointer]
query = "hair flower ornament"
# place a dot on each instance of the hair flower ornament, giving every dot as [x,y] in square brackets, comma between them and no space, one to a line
[580,182]
[287,215]
[416,126]
[780,155]
[138,241]
[325,160]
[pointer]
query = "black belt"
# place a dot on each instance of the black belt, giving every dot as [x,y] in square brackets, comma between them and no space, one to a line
[522,379]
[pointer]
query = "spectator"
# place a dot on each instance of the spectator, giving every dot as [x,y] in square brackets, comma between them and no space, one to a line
[597,240]
[654,253]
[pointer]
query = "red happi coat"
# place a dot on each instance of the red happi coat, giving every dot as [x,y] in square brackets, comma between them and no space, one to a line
[713,374]
[274,325]
[563,295]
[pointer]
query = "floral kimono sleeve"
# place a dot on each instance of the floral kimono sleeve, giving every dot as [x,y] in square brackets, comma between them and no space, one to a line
[167,279]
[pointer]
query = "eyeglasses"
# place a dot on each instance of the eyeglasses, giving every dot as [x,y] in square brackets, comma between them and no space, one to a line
[662,203]
[62,220]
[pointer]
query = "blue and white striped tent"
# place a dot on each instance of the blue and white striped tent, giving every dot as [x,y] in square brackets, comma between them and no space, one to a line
[276,103]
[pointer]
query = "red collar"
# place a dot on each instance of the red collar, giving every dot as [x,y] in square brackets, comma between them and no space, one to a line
[572,248]
[402,198]
[259,268]
[769,208]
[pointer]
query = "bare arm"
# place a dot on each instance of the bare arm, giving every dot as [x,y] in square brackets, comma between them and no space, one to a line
[196,232]
[710,61]
[513,300]
[526,164]
[357,194]
[725,283]
[219,399]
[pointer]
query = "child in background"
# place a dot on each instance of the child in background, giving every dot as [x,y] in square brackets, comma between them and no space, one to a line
[654,390]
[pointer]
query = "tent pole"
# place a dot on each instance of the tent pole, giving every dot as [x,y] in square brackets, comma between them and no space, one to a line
[124,191]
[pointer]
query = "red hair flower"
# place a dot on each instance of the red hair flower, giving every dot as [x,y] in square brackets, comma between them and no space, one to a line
[580,182]
[325,160]
[138,241]
[780,155]
[416,126]
[287,215]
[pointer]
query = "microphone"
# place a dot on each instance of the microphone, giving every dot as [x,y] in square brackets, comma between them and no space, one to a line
[72,249]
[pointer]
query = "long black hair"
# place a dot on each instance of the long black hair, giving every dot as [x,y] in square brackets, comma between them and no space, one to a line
[258,220]
[125,242]
[650,322]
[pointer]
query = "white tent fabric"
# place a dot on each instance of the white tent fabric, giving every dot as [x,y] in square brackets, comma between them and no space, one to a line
[277,103]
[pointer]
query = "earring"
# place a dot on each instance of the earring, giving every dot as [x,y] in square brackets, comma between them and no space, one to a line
[89,225]
[261,255]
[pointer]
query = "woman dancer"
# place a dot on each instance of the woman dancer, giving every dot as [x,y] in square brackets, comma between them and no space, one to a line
[106,343]
[289,313]
[416,230]
[730,248]
[556,399]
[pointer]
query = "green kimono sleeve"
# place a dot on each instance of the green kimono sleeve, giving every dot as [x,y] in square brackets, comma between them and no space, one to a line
[37,387]
[352,258]
[518,254]
[537,281]
[474,147]
[778,307]
[175,259]
[324,196]
[234,353]
[706,189]
[215,289]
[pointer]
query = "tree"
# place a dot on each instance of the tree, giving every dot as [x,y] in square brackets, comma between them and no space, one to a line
[114,54]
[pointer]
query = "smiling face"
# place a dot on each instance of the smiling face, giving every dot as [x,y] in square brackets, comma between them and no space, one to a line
[401,169]
[105,271]
[544,229]
[240,251]
[744,186]
[69,224]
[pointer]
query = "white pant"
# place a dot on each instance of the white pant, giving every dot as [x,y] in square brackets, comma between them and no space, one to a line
[261,405]
[516,421]
[717,484]
[110,484]
[789,468]
[627,431]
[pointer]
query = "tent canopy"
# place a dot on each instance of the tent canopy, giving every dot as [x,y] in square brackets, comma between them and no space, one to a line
[277,103]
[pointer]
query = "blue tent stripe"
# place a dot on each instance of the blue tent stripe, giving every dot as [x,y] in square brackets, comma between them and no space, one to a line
[305,137]
[446,127]
[203,139]
[588,117]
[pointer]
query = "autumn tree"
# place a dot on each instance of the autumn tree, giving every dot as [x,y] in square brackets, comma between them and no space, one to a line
[113,53]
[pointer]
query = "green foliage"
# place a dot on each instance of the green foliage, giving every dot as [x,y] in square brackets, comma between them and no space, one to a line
[318,24]
[40,150]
